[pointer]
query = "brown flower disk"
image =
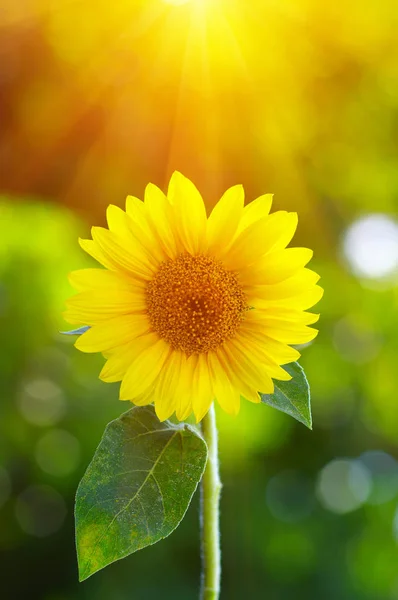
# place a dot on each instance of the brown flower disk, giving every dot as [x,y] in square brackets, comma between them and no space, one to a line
[194,303]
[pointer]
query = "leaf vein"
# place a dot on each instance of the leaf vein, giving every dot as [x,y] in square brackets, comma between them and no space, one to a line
[122,510]
[161,496]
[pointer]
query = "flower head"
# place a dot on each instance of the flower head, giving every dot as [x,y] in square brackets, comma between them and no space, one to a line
[189,309]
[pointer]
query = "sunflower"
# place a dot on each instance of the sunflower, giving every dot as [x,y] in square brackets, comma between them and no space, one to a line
[189,309]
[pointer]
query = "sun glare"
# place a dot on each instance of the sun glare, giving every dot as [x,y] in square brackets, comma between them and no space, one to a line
[177,2]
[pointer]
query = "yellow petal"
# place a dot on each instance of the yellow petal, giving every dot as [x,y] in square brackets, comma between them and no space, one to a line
[117,222]
[235,375]
[255,211]
[159,215]
[287,331]
[120,359]
[279,352]
[140,230]
[202,393]
[228,399]
[259,238]
[113,333]
[93,249]
[135,232]
[182,415]
[286,235]
[274,267]
[250,373]
[183,393]
[102,279]
[144,399]
[95,306]
[261,354]
[130,259]
[165,395]
[135,208]
[304,280]
[252,396]
[189,213]
[227,396]
[277,313]
[303,301]
[292,334]
[144,369]
[140,225]
[224,219]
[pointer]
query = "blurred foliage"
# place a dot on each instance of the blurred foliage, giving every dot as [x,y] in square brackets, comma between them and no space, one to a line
[297,98]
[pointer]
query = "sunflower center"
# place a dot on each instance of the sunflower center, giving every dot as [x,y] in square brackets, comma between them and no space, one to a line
[194,303]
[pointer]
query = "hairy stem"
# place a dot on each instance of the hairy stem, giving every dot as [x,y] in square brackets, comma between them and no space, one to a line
[210,526]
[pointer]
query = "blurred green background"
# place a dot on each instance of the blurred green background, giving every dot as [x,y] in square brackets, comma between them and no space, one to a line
[296,98]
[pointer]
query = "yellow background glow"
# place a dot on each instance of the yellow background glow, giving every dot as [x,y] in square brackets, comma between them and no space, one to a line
[177,2]
[224,91]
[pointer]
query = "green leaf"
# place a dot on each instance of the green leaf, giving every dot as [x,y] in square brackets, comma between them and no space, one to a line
[137,488]
[292,397]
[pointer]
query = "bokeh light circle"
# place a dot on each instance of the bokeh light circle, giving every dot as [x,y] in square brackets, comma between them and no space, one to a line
[356,343]
[42,402]
[58,452]
[384,470]
[343,485]
[40,510]
[371,246]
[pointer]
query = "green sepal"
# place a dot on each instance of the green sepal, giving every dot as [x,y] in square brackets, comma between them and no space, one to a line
[78,331]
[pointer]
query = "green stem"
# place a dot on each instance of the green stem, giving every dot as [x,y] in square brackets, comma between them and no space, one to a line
[209,513]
